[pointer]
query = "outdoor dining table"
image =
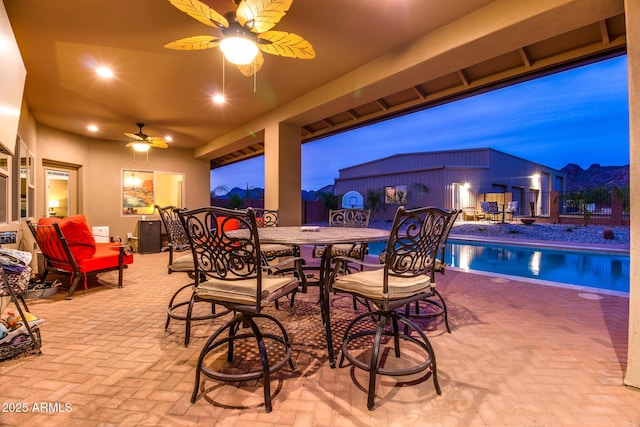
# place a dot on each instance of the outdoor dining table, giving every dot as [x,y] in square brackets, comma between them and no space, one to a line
[327,236]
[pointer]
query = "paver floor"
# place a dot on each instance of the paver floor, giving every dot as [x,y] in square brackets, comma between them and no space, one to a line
[520,354]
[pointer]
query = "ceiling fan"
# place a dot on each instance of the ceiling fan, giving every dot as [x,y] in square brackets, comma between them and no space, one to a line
[142,141]
[245,32]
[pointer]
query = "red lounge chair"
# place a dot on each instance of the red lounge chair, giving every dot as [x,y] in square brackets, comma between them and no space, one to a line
[69,248]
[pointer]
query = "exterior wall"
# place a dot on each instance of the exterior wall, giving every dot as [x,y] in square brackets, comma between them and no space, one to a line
[632,16]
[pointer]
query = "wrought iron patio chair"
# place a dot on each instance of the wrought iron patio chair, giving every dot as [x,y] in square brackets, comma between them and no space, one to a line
[272,251]
[435,306]
[406,276]
[230,272]
[348,217]
[182,302]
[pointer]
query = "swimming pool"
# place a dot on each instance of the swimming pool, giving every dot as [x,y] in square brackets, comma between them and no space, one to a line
[599,270]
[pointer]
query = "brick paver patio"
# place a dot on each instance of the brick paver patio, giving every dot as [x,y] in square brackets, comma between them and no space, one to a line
[520,354]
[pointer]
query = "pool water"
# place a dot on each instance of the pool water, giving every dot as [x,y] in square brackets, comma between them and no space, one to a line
[601,270]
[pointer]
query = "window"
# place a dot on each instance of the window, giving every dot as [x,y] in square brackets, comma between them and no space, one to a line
[4,185]
[395,195]
[24,186]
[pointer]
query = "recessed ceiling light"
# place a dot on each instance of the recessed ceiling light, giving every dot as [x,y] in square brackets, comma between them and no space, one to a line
[168,138]
[104,72]
[218,98]
[92,128]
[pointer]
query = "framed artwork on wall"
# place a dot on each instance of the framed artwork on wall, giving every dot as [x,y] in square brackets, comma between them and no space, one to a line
[137,192]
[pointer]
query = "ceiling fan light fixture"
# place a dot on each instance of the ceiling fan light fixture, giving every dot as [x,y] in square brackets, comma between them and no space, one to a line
[141,147]
[239,50]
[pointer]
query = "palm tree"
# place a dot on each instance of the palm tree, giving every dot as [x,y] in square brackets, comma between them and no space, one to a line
[329,200]
[374,199]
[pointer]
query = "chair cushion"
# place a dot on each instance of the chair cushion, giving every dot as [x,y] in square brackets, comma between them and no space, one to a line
[275,250]
[244,291]
[77,234]
[183,264]
[369,284]
[349,250]
[227,224]
[344,249]
[104,258]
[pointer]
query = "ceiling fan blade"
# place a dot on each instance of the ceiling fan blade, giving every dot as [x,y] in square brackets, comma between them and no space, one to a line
[259,16]
[194,43]
[200,11]
[134,136]
[250,69]
[285,44]
[158,143]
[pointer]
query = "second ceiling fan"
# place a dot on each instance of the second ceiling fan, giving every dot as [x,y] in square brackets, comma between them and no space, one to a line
[143,142]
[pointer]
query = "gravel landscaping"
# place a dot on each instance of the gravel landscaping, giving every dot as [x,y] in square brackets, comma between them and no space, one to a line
[570,233]
[539,231]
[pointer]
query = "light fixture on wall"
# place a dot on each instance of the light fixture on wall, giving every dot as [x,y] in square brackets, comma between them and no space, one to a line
[53,205]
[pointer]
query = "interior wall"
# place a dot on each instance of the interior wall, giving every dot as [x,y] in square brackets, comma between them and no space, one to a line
[102,163]
[12,76]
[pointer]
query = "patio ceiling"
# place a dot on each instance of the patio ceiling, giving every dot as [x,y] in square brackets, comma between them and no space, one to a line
[375,59]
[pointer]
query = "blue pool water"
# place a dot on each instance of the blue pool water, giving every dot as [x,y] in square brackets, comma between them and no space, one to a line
[600,270]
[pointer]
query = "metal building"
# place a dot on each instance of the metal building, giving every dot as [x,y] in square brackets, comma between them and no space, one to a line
[452,179]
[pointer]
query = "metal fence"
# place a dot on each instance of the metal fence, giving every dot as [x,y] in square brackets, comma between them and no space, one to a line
[594,206]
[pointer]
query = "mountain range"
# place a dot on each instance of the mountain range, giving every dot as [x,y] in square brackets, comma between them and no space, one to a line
[595,176]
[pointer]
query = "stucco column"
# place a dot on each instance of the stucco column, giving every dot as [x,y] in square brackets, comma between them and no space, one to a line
[282,172]
[632,17]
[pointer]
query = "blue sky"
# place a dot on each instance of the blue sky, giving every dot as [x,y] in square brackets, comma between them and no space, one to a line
[579,116]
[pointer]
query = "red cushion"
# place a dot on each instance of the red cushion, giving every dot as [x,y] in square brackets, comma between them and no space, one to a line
[104,258]
[77,234]
[227,224]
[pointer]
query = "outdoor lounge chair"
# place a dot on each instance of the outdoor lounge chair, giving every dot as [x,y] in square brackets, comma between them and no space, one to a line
[490,209]
[471,214]
[69,248]
[512,209]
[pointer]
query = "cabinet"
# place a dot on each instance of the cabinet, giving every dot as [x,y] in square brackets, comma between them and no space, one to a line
[149,239]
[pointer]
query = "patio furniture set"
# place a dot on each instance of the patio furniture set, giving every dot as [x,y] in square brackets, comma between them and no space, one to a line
[241,261]
[232,271]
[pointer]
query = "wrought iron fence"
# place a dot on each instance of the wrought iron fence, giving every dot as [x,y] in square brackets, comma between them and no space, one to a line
[587,205]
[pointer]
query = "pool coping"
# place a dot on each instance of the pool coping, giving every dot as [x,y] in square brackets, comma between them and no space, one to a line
[584,289]
[617,248]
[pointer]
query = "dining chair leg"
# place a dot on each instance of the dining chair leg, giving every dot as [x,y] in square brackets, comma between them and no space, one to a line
[203,353]
[373,365]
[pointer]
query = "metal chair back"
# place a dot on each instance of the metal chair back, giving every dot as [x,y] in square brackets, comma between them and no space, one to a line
[222,254]
[350,217]
[414,242]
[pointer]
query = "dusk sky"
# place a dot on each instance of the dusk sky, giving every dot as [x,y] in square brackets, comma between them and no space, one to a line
[579,116]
